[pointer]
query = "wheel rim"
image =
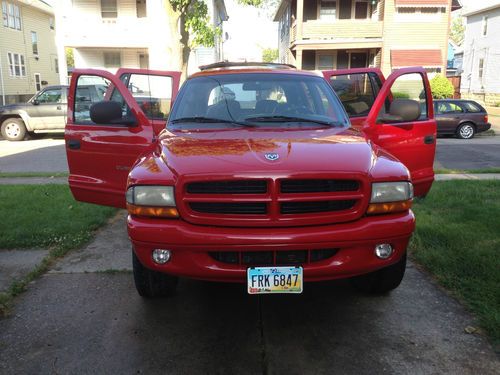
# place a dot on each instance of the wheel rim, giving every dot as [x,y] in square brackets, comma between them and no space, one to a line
[466,131]
[12,130]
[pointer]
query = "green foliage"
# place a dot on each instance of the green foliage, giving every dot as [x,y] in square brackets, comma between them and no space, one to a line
[270,54]
[441,87]
[400,95]
[457,31]
[70,59]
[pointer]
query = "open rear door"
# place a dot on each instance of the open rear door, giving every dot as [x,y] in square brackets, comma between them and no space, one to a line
[356,89]
[100,155]
[411,142]
[154,91]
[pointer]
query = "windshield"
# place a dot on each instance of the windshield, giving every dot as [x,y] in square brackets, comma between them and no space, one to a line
[258,99]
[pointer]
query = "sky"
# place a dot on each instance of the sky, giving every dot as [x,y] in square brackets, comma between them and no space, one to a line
[250,30]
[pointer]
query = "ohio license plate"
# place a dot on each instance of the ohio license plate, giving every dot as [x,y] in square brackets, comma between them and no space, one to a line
[262,280]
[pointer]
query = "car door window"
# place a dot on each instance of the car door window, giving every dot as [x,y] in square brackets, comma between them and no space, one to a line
[471,107]
[411,86]
[89,90]
[153,93]
[50,96]
[356,92]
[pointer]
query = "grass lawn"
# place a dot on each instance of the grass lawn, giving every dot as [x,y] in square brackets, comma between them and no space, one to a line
[33,174]
[44,216]
[455,171]
[458,240]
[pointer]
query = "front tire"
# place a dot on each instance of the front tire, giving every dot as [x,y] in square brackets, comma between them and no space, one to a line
[382,281]
[152,284]
[466,131]
[13,129]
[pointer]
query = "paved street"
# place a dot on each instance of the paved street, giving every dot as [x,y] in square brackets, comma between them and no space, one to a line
[49,155]
[41,155]
[479,152]
[86,317]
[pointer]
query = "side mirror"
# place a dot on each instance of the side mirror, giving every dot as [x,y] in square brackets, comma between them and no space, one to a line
[109,112]
[35,102]
[401,110]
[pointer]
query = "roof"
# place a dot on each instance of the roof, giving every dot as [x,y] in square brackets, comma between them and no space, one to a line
[228,64]
[253,70]
[281,7]
[416,57]
[483,9]
[39,4]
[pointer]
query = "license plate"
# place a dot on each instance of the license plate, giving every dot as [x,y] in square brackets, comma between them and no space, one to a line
[263,280]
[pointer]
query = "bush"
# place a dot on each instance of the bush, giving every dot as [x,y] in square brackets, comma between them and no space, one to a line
[441,88]
[400,95]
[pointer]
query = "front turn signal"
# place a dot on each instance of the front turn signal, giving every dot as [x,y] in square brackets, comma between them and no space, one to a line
[165,212]
[388,207]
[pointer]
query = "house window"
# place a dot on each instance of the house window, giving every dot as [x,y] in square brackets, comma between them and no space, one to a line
[56,65]
[17,67]
[112,59]
[11,15]
[141,8]
[51,23]
[361,10]
[327,10]
[325,62]
[481,68]
[34,42]
[485,25]
[38,82]
[108,9]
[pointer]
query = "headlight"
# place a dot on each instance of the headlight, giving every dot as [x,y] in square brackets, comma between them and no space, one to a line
[389,197]
[391,192]
[156,201]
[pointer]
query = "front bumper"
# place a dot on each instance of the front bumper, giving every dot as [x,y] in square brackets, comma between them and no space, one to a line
[190,245]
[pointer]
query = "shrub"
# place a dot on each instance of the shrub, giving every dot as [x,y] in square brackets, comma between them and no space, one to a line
[400,95]
[441,88]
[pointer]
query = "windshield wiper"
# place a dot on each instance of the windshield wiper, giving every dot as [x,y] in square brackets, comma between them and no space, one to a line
[210,120]
[279,118]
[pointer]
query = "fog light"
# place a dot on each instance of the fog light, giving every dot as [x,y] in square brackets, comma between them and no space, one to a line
[161,256]
[383,250]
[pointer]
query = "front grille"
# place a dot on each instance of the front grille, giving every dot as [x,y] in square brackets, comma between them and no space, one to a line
[318,186]
[253,208]
[272,258]
[316,206]
[228,187]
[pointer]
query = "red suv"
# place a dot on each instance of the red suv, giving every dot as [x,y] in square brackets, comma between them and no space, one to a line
[256,175]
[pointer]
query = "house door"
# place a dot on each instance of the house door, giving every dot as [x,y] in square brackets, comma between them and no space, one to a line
[358,60]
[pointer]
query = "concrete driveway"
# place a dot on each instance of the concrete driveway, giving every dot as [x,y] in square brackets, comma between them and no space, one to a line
[86,317]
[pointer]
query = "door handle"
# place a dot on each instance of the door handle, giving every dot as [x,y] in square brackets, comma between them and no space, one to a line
[59,107]
[429,139]
[74,144]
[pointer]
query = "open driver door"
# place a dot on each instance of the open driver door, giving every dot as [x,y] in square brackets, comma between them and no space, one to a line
[368,98]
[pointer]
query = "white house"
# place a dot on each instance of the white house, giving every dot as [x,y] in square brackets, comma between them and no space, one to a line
[481,58]
[108,34]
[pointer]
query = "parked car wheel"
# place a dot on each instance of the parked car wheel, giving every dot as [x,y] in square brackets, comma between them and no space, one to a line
[13,129]
[151,284]
[382,281]
[466,130]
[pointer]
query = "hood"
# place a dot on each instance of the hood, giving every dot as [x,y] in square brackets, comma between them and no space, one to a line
[10,107]
[263,152]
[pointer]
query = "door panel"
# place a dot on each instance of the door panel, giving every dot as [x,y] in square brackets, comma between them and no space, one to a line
[100,156]
[357,90]
[413,143]
[154,90]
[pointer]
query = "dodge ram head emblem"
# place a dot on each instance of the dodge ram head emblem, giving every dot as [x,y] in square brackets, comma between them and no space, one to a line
[272,156]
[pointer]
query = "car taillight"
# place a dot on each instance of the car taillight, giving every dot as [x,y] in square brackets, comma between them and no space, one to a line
[485,118]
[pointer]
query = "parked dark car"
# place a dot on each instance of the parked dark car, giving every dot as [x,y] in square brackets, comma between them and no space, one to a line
[45,112]
[463,118]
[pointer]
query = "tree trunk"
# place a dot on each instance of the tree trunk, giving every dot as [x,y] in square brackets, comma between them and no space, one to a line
[178,46]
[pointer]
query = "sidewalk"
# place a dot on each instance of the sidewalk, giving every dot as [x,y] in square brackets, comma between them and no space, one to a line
[467,176]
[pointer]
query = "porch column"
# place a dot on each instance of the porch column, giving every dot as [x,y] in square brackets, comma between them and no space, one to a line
[298,59]
[300,20]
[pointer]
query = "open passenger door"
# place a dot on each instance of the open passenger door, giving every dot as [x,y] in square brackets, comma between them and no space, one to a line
[368,99]
[104,138]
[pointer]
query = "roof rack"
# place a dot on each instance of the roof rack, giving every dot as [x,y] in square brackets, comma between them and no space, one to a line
[227,64]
